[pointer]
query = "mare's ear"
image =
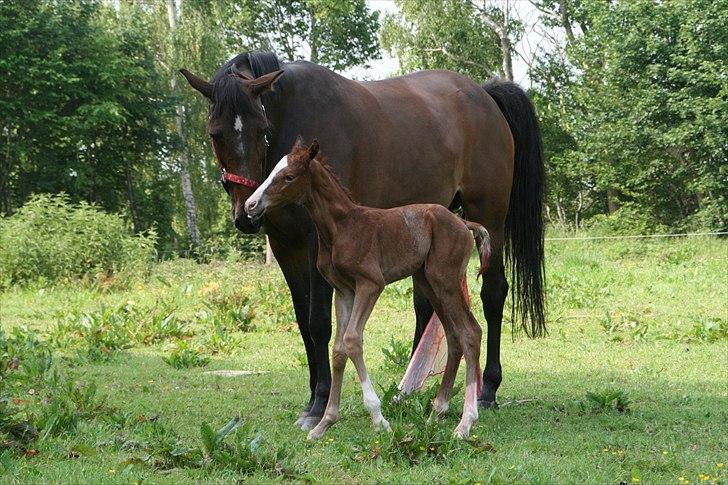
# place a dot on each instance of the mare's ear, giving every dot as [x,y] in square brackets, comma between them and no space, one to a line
[298,142]
[198,83]
[264,83]
[313,149]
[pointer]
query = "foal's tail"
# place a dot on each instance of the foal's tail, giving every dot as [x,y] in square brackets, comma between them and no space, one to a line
[524,224]
[482,240]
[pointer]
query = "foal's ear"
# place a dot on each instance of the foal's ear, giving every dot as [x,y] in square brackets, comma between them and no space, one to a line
[298,142]
[313,149]
[264,83]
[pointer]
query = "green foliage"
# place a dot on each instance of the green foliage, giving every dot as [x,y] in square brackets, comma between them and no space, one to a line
[52,240]
[184,356]
[633,114]
[98,333]
[231,311]
[335,33]
[435,34]
[82,110]
[610,400]
[397,354]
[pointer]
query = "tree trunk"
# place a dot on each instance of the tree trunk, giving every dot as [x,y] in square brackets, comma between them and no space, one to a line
[612,202]
[505,44]
[313,36]
[132,199]
[500,26]
[565,21]
[184,156]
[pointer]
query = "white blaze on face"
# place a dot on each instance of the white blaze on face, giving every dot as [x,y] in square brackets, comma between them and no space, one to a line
[255,199]
[239,128]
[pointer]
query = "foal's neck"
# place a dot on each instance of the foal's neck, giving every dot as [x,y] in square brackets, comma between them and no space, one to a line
[328,202]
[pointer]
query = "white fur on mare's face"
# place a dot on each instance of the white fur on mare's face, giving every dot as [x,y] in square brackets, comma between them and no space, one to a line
[255,205]
[238,126]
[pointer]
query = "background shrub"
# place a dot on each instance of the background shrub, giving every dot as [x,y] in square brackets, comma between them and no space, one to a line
[51,239]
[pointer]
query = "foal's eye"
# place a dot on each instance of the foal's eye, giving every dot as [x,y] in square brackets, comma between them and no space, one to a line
[289,178]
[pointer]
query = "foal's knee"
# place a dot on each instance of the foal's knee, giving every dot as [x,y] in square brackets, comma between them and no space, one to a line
[338,357]
[352,344]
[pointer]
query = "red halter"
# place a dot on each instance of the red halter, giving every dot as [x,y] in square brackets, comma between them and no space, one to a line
[237,179]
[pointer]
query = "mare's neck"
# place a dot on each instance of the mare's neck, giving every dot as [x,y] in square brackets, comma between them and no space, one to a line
[327,202]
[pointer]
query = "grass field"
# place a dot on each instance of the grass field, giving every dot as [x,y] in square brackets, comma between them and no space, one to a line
[631,385]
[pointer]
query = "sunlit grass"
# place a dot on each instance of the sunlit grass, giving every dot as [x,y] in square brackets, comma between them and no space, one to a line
[629,386]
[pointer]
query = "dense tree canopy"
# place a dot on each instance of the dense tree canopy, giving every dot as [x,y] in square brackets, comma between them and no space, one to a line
[632,97]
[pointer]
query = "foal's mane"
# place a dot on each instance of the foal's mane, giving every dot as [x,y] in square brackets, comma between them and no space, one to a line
[225,89]
[300,153]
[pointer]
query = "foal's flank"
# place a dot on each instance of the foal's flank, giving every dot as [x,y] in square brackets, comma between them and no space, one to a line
[361,250]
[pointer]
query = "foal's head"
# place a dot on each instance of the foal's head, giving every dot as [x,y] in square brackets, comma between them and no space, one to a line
[287,183]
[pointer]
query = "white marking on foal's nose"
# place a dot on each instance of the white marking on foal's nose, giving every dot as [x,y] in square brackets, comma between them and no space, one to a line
[238,124]
[255,199]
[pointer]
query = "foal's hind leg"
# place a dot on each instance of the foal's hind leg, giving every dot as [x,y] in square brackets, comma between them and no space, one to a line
[441,403]
[470,336]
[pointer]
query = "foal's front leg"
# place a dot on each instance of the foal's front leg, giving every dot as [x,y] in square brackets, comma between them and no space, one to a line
[350,338]
[344,301]
[366,297]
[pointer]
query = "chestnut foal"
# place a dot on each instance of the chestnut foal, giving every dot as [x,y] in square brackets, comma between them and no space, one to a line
[361,250]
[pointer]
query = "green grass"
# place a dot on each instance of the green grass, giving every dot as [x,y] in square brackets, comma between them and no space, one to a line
[630,385]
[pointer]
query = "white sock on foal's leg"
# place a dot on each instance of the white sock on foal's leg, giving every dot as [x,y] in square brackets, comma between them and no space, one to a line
[372,403]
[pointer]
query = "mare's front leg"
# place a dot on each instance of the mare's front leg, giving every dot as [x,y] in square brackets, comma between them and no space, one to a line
[293,262]
[319,318]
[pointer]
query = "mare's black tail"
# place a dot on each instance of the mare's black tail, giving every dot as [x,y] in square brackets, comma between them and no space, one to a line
[524,229]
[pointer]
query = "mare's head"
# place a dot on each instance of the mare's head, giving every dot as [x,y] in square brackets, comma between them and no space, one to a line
[237,124]
[287,183]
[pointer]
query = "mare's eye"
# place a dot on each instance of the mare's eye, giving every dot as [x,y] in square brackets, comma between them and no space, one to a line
[289,178]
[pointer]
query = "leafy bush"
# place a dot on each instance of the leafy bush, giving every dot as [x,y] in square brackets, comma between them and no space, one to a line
[397,354]
[98,333]
[184,356]
[628,220]
[50,239]
[610,400]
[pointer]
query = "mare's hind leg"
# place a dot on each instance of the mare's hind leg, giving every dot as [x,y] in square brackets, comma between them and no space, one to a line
[423,311]
[493,292]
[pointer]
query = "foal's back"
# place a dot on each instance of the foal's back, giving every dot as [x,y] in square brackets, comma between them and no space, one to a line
[390,244]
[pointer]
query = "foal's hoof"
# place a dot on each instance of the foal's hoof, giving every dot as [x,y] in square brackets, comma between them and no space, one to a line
[316,432]
[487,404]
[383,425]
[308,422]
[461,432]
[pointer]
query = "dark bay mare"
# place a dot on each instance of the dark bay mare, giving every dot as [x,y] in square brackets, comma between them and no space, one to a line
[427,137]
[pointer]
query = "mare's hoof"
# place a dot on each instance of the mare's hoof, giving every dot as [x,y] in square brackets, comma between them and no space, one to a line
[487,404]
[308,422]
[301,418]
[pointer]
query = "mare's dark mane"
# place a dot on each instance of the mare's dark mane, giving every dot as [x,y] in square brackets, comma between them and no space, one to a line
[226,92]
